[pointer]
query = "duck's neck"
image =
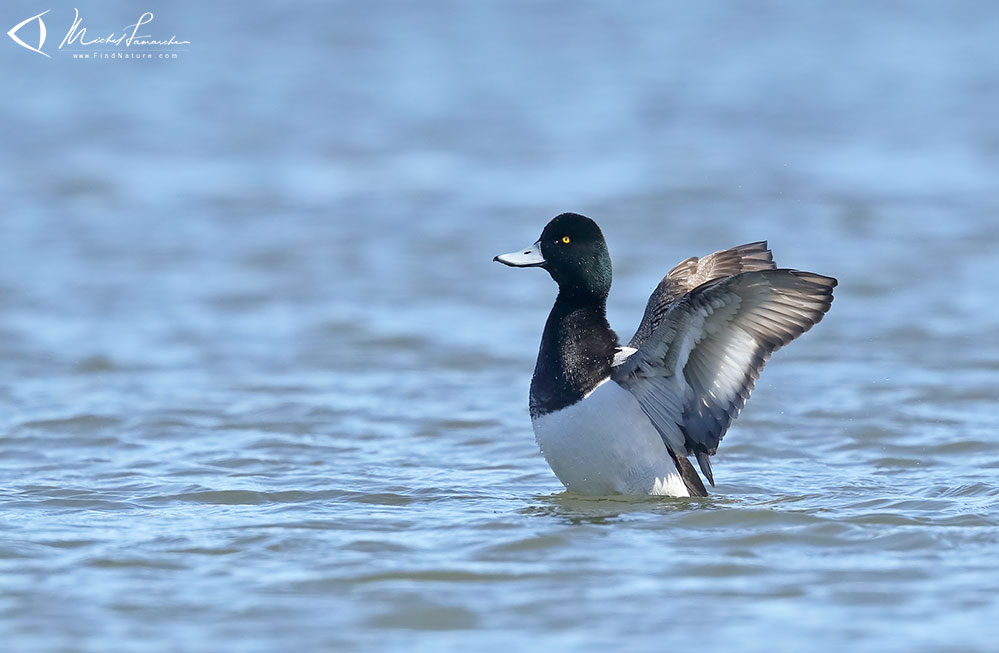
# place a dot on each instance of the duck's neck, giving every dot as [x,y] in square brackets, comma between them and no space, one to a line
[577,349]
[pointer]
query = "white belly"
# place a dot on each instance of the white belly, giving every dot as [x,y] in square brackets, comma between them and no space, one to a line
[605,444]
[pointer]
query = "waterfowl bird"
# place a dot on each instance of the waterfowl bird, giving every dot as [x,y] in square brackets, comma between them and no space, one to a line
[615,419]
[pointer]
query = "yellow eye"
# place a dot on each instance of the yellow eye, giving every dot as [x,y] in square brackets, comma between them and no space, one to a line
[565,239]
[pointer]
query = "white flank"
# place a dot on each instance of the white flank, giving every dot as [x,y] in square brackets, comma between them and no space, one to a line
[605,444]
[622,355]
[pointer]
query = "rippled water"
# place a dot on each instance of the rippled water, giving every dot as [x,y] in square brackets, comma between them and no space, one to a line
[261,387]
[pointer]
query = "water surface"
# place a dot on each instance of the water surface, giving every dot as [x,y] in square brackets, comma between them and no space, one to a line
[261,387]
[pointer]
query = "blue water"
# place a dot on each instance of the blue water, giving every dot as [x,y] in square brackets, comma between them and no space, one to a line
[261,387]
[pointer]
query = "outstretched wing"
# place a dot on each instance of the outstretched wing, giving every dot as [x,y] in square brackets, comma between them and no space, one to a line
[695,271]
[693,373]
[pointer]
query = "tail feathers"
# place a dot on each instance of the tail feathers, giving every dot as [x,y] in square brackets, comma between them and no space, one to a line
[689,475]
[704,462]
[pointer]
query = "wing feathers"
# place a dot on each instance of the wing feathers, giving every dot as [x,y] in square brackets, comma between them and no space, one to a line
[694,371]
[694,272]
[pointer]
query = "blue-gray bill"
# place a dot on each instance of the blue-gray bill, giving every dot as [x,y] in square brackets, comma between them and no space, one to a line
[529,257]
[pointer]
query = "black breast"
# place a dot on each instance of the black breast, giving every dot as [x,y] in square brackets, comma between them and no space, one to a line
[577,349]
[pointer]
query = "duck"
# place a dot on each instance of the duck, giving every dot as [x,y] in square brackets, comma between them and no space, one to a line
[613,419]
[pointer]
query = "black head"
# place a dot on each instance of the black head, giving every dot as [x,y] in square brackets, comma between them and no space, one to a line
[573,250]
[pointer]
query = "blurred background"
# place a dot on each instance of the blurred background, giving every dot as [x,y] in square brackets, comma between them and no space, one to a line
[261,385]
